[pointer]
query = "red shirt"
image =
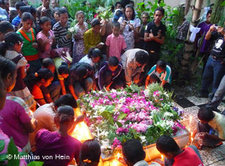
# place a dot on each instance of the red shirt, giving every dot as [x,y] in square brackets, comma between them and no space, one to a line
[187,158]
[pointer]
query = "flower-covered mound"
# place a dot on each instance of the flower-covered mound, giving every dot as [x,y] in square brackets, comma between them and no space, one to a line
[118,115]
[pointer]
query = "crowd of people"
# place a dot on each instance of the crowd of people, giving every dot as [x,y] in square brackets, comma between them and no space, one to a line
[45,68]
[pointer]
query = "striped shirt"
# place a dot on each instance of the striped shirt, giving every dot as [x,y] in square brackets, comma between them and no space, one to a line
[163,75]
[60,35]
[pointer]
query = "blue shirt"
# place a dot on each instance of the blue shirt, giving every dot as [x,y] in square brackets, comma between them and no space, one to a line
[3,15]
[16,21]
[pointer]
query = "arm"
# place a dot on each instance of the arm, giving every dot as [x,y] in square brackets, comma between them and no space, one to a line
[147,37]
[41,44]
[72,91]
[107,51]
[147,81]
[158,39]
[209,33]
[63,86]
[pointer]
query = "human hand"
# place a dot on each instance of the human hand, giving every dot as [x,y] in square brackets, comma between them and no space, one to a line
[212,28]
[69,35]
[35,44]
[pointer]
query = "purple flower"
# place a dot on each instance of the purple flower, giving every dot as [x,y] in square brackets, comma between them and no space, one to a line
[116,142]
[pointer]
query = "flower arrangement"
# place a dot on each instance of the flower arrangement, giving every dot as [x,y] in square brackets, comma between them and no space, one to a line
[118,115]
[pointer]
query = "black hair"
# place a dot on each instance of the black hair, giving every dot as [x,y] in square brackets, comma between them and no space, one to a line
[63,68]
[209,12]
[27,16]
[56,10]
[79,12]
[131,2]
[19,4]
[46,62]
[62,11]
[5,27]
[124,3]
[161,10]
[33,10]
[11,38]
[141,57]
[7,67]
[113,61]
[129,6]
[94,52]
[133,151]
[95,22]
[42,73]
[116,25]
[67,99]
[166,144]
[118,3]
[161,64]
[145,13]
[44,19]
[205,114]
[87,157]
[82,71]
[65,114]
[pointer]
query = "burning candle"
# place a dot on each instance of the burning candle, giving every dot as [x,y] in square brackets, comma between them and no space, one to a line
[162,158]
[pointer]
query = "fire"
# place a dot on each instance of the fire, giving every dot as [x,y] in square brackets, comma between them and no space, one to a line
[162,157]
[81,131]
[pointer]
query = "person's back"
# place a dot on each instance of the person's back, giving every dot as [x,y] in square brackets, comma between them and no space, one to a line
[186,158]
[60,148]
[14,118]
[167,146]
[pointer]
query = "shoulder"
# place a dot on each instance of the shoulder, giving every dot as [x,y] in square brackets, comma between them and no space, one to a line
[17,100]
[56,26]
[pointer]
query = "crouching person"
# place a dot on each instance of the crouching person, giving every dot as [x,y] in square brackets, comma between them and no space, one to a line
[134,62]
[176,156]
[160,73]
[111,75]
[59,143]
[134,154]
[81,79]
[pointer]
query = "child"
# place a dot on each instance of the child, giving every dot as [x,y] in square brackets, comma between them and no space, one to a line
[30,45]
[54,88]
[160,73]
[92,37]
[214,119]
[45,38]
[62,37]
[129,26]
[16,21]
[111,75]
[59,143]
[63,73]
[176,156]
[5,27]
[115,42]
[82,27]
[87,157]
[134,154]
[155,34]
[43,77]
[45,115]
[45,7]
[140,43]
[12,47]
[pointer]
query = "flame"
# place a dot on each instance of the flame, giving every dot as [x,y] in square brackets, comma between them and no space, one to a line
[162,157]
[81,131]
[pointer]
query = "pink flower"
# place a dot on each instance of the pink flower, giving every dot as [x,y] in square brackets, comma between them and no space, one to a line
[116,143]
[156,93]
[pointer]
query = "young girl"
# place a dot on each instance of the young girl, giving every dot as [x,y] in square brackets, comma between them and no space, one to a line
[30,45]
[43,77]
[87,157]
[45,37]
[78,47]
[140,43]
[59,143]
[63,73]
[11,49]
[129,26]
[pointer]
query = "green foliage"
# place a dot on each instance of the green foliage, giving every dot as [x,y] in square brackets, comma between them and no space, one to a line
[12,150]
[105,13]
[133,88]
[35,163]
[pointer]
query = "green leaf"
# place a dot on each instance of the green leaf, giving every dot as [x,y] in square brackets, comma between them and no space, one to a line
[122,116]
[3,157]
[223,3]
[35,163]
[2,145]
[13,151]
